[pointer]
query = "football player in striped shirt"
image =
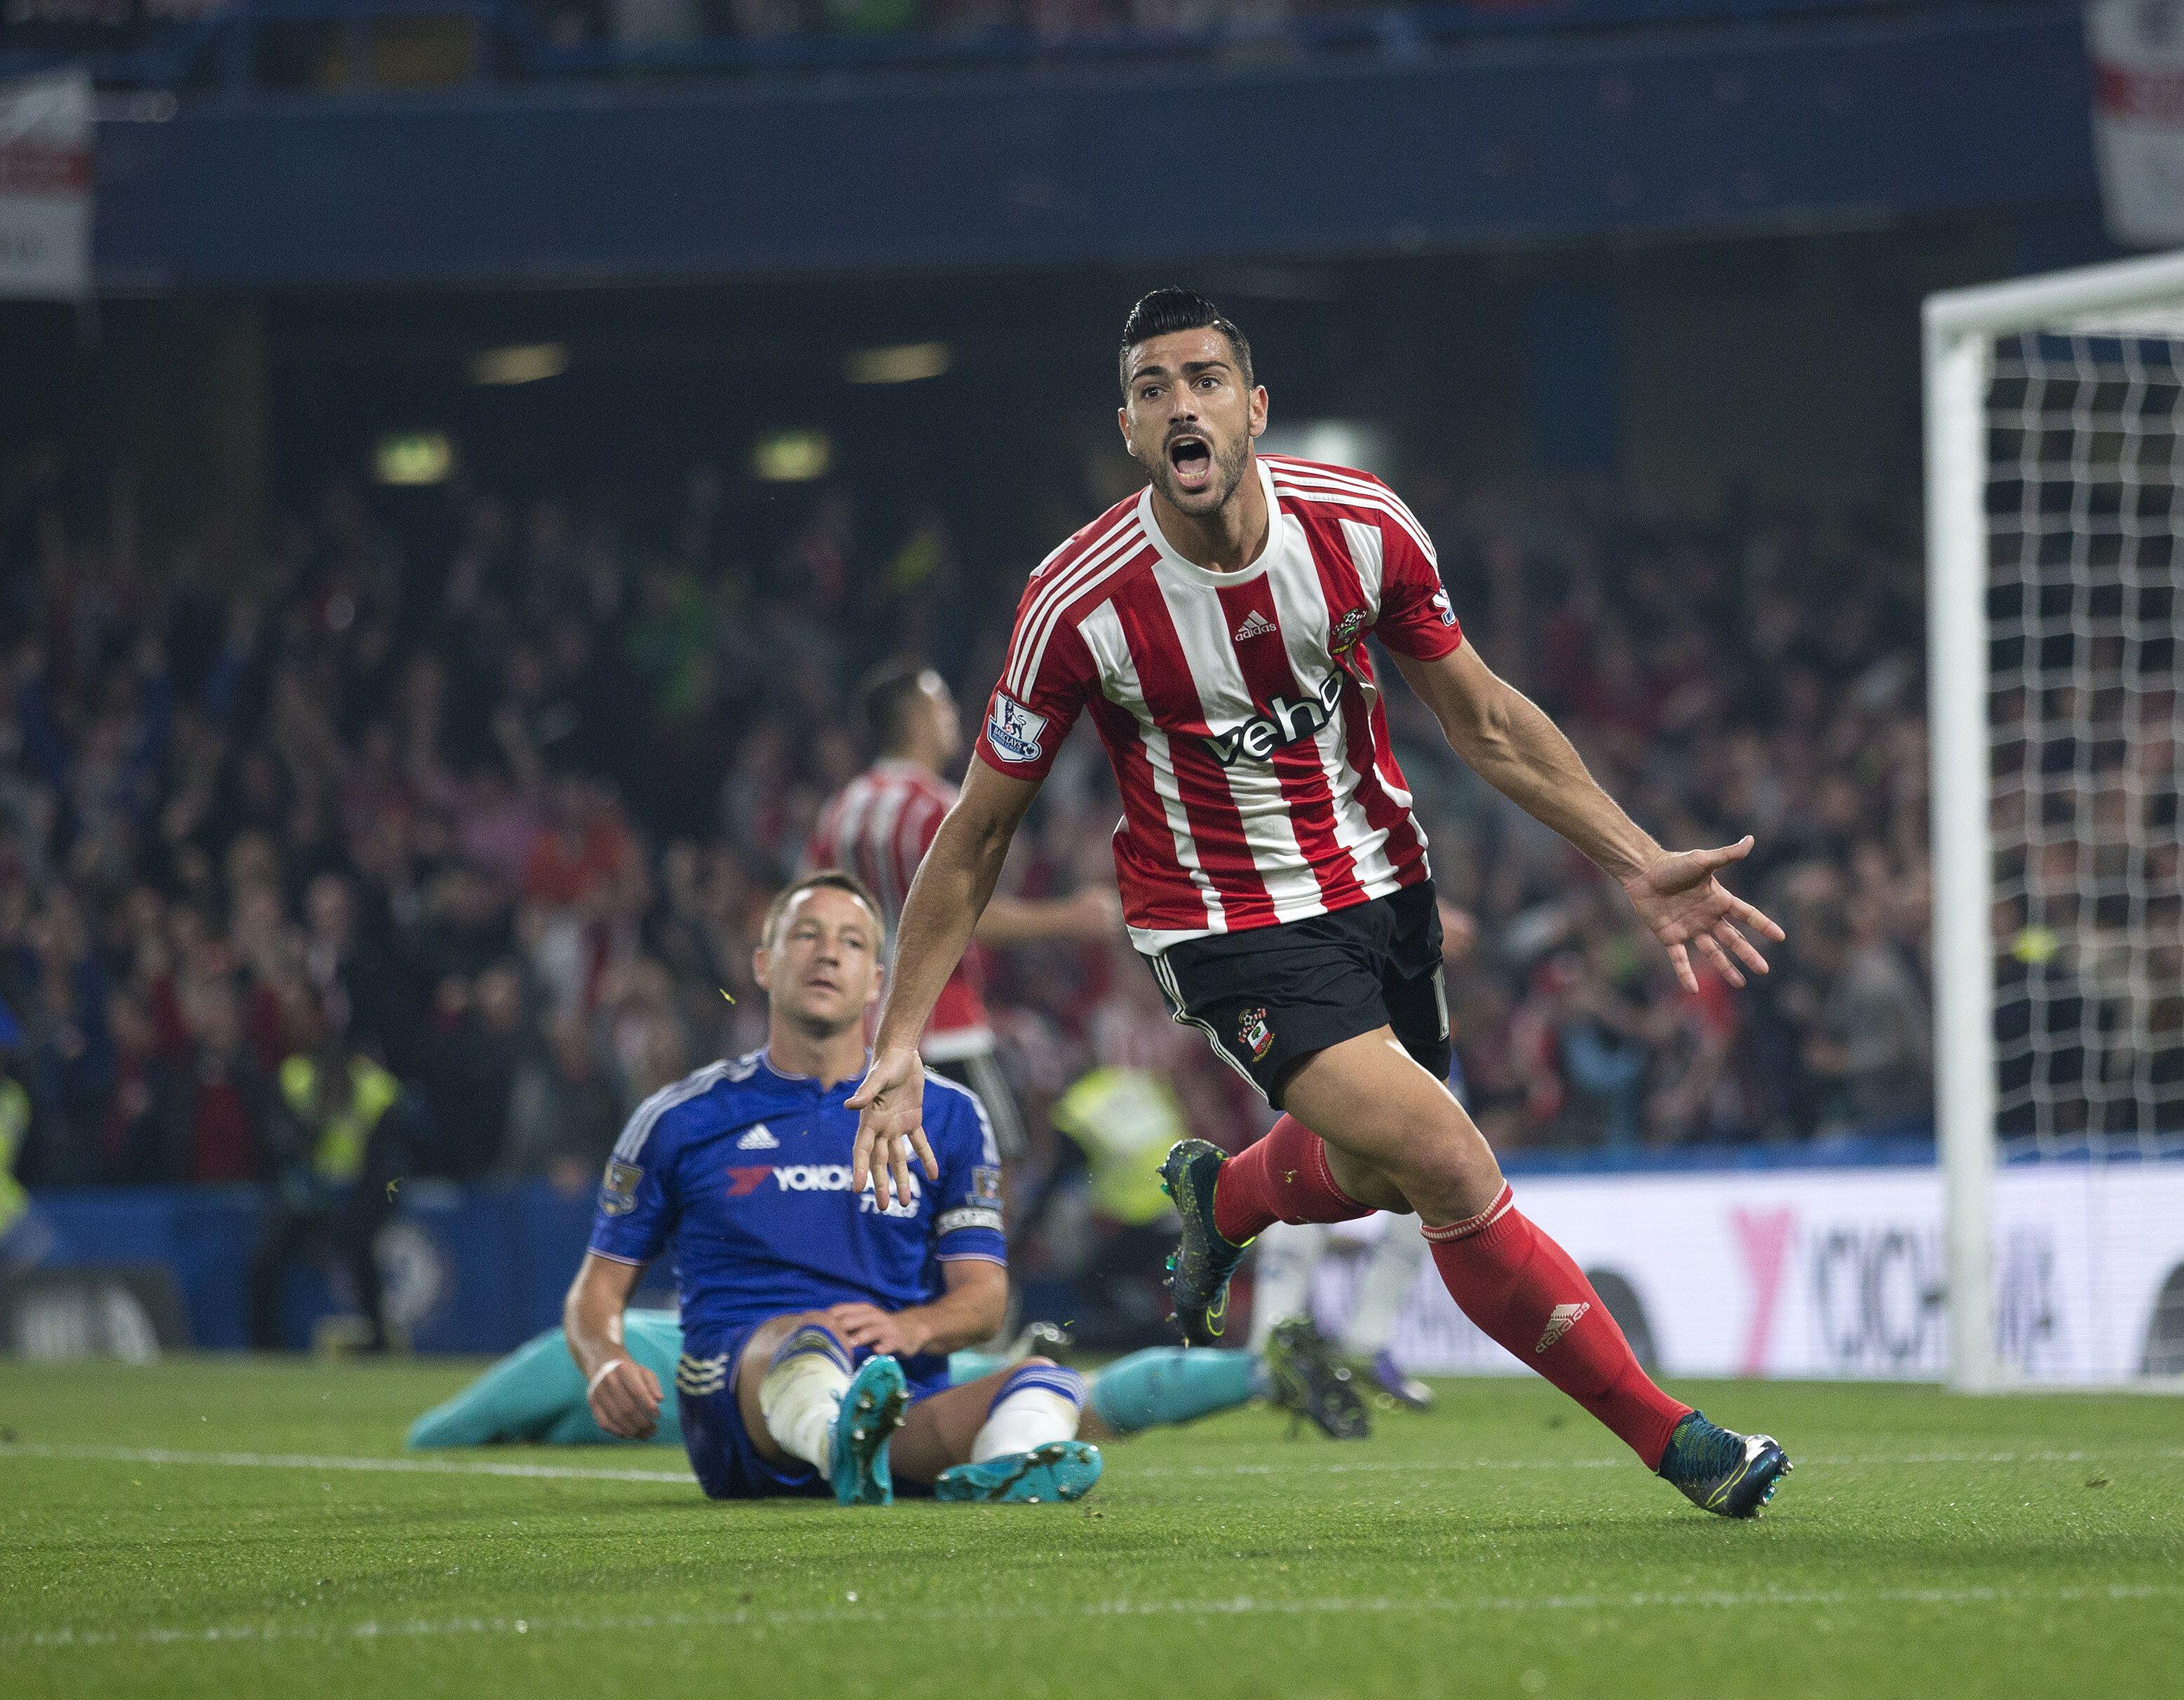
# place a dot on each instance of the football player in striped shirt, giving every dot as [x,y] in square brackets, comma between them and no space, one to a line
[1274,878]
[878,826]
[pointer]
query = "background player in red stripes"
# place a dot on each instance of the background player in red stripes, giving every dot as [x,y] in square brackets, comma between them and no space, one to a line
[1274,878]
[878,826]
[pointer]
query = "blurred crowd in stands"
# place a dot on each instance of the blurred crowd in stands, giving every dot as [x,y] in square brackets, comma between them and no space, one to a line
[102,26]
[430,845]
[305,44]
[658,22]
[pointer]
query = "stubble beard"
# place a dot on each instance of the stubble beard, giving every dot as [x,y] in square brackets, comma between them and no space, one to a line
[1228,468]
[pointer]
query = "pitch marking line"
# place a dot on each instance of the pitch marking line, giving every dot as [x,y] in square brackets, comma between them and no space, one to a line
[489,1467]
[158,1455]
[1241,1606]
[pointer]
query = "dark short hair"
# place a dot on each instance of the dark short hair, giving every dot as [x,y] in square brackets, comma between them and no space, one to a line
[886,695]
[1166,310]
[821,879]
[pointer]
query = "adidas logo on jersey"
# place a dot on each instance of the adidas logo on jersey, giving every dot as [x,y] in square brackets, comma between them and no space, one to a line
[1560,1321]
[759,1139]
[1255,625]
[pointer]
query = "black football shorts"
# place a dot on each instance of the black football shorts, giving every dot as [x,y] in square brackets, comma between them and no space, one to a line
[1268,998]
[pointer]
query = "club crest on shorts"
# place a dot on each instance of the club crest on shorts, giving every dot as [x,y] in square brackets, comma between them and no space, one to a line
[618,1191]
[1251,1033]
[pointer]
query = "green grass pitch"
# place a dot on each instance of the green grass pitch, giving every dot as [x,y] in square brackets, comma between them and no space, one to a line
[229,1528]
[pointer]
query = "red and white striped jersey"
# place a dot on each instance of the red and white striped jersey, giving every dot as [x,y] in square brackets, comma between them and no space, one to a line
[1238,710]
[878,826]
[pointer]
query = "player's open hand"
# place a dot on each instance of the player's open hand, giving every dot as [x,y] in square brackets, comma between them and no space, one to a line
[625,1400]
[1678,896]
[886,1333]
[890,1106]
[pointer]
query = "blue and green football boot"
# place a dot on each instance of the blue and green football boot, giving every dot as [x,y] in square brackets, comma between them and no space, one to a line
[1198,1274]
[872,1408]
[1720,1470]
[1050,1474]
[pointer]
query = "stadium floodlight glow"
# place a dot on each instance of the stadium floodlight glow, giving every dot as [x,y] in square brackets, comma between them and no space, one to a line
[2055,648]
[520,363]
[1338,441]
[792,457]
[903,363]
[413,458]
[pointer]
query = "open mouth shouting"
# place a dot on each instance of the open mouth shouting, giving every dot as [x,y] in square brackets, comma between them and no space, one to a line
[1190,458]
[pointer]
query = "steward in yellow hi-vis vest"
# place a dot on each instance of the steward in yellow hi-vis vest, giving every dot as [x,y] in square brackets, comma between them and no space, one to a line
[14,1125]
[1122,1119]
[14,1129]
[338,1124]
[336,1167]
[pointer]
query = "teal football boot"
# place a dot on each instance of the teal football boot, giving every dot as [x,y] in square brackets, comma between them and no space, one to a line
[1198,1274]
[1720,1470]
[1051,1474]
[872,1409]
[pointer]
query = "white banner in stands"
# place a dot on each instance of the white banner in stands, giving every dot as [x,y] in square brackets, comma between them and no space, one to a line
[2137,54]
[1837,1272]
[45,188]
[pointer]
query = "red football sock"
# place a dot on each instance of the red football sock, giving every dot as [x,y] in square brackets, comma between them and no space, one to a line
[1523,1291]
[1282,1178]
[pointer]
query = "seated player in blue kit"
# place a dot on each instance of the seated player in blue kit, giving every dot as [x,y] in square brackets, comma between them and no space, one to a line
[817,1326]
[535,1395]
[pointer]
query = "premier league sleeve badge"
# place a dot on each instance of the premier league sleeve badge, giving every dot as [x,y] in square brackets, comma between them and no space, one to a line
[618,1191]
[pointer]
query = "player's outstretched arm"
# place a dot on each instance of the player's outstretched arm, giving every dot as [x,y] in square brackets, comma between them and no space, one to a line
[1089,914]
[953,885]
[624,1395]
[1513,745]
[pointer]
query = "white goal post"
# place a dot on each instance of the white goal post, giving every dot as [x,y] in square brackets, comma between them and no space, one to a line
[2055,436]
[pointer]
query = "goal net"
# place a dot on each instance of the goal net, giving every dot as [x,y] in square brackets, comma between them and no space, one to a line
[2055,507]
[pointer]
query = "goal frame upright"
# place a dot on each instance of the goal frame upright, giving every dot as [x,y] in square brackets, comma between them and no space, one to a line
[1960,328]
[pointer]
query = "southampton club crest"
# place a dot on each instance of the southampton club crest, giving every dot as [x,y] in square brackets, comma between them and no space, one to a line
[1251,1033]
[1346,631]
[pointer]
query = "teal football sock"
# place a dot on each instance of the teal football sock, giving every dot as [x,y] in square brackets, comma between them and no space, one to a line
[536,1393]
[655,1339]
[1167,1385]
[520,1398]
[969,1366]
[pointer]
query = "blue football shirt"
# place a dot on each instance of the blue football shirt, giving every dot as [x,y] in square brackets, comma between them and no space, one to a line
[743,1171]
